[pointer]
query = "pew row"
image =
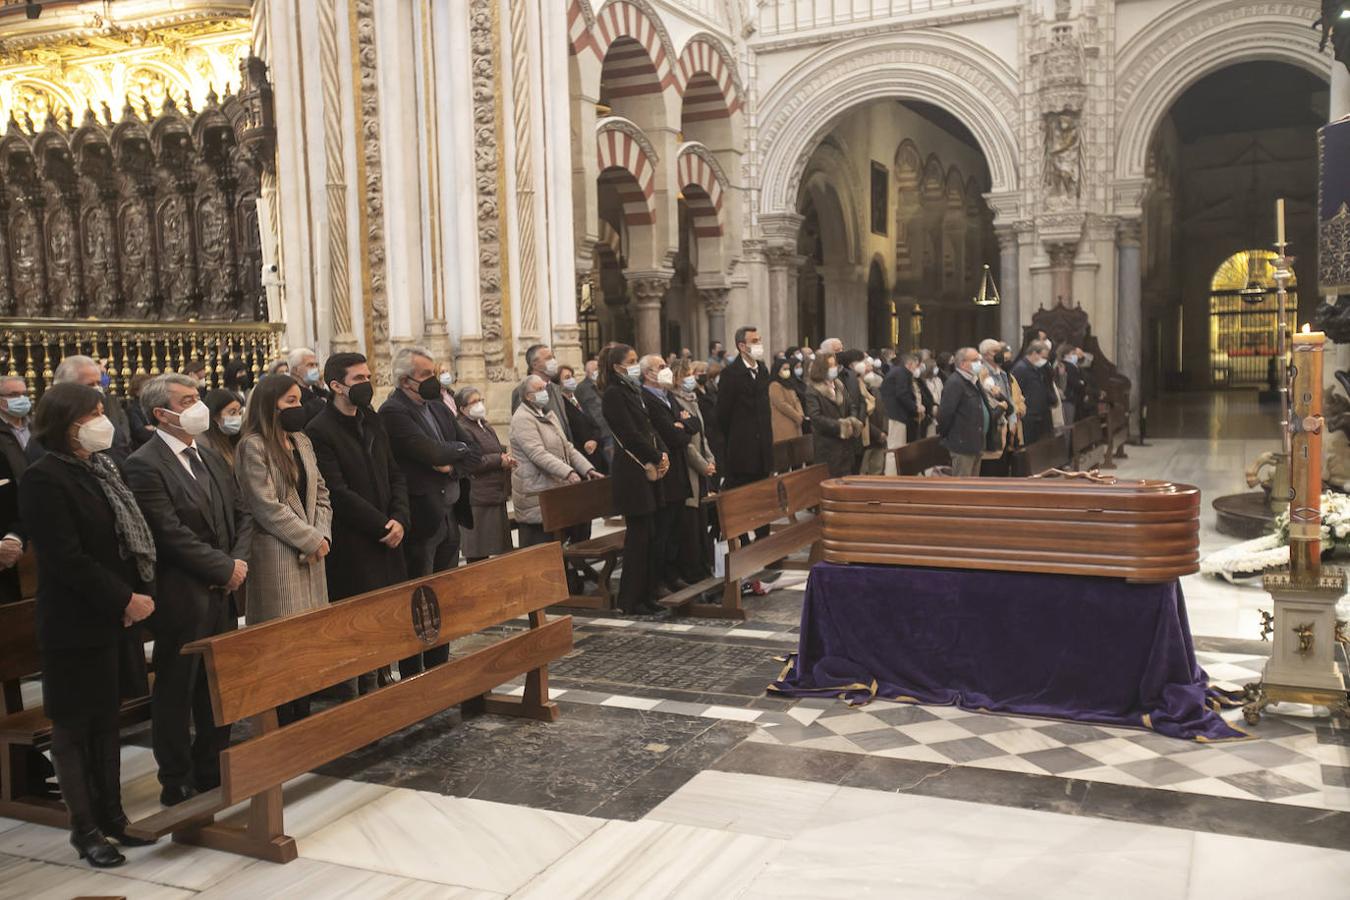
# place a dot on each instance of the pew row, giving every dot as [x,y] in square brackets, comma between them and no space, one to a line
[567,506]
[742,510]
[24,732]
[793,453]
[252,671]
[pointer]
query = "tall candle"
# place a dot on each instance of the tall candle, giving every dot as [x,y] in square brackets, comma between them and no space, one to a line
[1279,224]
[1305,464]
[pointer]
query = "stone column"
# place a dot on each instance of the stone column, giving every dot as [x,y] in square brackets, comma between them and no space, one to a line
[1010,321]
[648,289]
[1061,271]
[784,264]
[1129,311]
[715,306]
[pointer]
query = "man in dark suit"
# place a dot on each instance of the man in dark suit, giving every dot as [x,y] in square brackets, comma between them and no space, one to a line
[901,398]
[963,418]
[435,455]
[365,485]
[1029,373]
[202,534]
[675,427]
[304,368]
[744,416]
[14,434]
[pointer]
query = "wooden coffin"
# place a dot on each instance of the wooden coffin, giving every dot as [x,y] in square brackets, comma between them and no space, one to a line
[1142,531]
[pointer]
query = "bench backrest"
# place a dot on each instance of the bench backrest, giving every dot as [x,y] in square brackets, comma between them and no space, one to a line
[261,667]
[793,453]
[920,456]
[743,509]
[18,640]
[1117,421]
[1085,433]
[576,504]
[1050,452]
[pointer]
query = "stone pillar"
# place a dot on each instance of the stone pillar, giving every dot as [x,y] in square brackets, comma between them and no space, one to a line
[1129,312]
[1061,271]
[715,306]
[648,289]
[783,265]
[1010,321]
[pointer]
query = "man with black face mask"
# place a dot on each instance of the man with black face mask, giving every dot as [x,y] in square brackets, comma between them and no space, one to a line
[365,485]
[435,455]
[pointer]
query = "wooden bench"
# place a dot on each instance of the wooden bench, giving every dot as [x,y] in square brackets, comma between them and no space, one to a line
[920,456]
[739,512]
[793,453]
[252,671]
[1117,424]
[1085,436]
[1050,452]
[569,505]
[25,730]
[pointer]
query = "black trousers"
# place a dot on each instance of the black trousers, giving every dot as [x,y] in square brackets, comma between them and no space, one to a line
[734,481]
[532,533]
[637,584]
[87,756]
[181,704]
[667,543]
[428,550]
[694,559]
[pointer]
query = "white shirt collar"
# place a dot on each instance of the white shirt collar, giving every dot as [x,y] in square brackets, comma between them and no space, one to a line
[175,445]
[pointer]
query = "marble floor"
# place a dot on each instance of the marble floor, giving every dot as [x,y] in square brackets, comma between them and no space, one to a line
[672,774]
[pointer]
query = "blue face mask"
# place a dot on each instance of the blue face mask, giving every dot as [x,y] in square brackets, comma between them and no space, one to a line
[635,372]
[569,384]
[313,376]
[689,383]
[19,406]
[540,398]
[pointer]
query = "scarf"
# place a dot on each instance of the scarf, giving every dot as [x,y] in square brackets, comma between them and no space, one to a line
[133,534]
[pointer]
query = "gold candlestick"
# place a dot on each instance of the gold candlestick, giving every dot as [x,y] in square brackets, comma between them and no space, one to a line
[1305,510]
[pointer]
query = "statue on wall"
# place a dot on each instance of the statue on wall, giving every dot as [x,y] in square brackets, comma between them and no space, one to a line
[1063,154]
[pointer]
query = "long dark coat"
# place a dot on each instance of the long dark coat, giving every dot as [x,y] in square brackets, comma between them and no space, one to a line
[489,483]
[675,486]
[366,489]
[831,448]
[746,421]
[634,495]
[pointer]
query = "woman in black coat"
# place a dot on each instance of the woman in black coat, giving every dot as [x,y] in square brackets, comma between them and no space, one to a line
[635,444]
[96,568]
[586,433]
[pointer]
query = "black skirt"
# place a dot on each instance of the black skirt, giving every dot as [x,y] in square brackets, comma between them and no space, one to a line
[81,683]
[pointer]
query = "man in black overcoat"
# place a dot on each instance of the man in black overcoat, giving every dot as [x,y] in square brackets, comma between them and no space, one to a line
[1036,391]
[202,532]
[436,455]
[365,485]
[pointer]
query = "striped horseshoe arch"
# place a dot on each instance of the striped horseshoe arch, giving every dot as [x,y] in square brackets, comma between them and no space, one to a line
[641,41]
[625,164]
[702,191]
[707,82]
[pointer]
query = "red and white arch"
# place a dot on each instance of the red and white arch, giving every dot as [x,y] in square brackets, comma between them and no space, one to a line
[626,165]
[707,82]
[643,43]
[703,190]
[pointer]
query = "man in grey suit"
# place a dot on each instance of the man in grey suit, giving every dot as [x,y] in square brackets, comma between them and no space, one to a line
[539,360]
[202,534]
[588,394]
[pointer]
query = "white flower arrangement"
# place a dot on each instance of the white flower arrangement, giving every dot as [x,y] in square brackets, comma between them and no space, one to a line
[1251,558]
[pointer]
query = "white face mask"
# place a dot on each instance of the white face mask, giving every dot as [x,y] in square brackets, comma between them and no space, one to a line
[797,371]
[860,367]
[96,435]
[231,424]
[551,367]
[477,410]
[569,384]
[1072,359]
[593,375]
[872,379]
[1038,362]
[540,398]
[665,377]
[634,372]
[833,373]
[446,379]
[689,383]
[756,351]
[195,419]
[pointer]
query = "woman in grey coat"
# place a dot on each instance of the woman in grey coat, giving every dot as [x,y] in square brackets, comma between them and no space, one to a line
[279,480]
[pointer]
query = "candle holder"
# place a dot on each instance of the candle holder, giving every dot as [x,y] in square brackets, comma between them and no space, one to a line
[1302,666]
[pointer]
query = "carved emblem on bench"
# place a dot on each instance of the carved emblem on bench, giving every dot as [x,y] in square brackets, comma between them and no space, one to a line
[426,615]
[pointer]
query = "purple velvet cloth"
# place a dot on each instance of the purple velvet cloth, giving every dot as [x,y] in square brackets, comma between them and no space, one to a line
[1090,649]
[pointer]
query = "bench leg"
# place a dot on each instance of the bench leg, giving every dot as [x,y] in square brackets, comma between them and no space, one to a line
[263,837]
[15,802]
[533,704]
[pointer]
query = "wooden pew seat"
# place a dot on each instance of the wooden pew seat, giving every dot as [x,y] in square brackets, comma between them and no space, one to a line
[567,506]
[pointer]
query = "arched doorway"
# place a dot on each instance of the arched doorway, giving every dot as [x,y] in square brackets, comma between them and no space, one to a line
[880,308]
[1226,149]
[1244,319]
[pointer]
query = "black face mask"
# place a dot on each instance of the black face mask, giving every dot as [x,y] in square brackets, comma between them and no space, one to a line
[429,389]
[293,418]
[361,394]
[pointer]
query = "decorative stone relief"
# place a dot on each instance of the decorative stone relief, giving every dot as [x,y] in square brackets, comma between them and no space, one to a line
[1063,90]
[524,156]
[377,303]
[487,184]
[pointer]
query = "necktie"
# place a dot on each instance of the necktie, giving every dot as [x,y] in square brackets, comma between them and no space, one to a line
[198,467]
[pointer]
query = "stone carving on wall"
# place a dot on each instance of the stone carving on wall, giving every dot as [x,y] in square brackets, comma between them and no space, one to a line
[377,303]
[1063,90]
[487,175]
[524,158]
[132,219]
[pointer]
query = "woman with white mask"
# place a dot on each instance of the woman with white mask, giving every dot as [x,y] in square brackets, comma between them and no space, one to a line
[489,482]
[227,420]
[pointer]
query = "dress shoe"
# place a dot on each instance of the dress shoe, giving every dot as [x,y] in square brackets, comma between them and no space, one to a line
[675,585]
[117,830]
[174,794]
[93,846]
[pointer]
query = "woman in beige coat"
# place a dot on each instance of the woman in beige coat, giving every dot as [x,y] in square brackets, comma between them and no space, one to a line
[786,405]
[544,459]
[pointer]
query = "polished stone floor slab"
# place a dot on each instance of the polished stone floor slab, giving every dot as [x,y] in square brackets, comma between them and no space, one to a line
[311,878]
[27,879]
